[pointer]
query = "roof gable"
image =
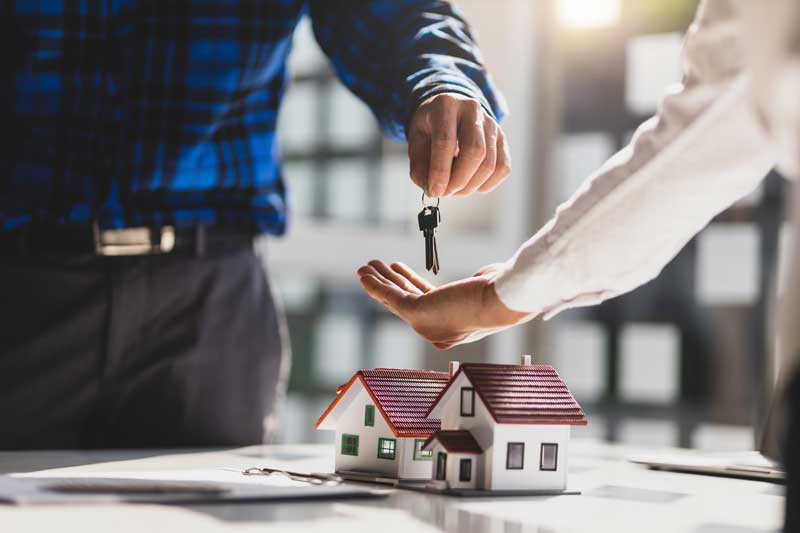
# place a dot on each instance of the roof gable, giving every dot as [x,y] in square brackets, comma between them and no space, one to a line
[403,397]
[521,394]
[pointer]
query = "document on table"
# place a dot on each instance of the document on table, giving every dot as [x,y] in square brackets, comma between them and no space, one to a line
[165,486]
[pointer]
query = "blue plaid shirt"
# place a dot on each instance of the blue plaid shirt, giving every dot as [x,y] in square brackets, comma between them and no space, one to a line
[156,112]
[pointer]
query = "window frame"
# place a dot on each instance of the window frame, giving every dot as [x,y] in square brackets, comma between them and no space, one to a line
[342,448]
[541,457]
[472,401]
[508,456]
[369,415]
[382,454]
[418,451]
[461,463]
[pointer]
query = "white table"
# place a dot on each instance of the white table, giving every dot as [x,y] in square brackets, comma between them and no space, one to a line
[616,496]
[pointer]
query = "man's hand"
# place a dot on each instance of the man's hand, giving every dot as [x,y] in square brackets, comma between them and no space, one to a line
[448,126]
[443,315]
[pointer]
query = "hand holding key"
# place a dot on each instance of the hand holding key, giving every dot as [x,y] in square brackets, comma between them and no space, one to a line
[455,147]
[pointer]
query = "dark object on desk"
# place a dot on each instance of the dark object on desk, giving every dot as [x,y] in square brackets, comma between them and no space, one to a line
[792,458]
[742,465]
[34,491]
[131,487]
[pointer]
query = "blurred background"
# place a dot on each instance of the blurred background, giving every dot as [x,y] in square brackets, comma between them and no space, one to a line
[679,361]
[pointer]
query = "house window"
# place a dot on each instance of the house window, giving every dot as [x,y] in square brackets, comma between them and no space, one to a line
[386,448]
[515,456]
[549,457]
[419,453]
[369,415]
[467,401]
[349,444]
[465,470]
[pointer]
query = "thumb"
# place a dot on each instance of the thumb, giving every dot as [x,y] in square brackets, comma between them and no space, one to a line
[488,269]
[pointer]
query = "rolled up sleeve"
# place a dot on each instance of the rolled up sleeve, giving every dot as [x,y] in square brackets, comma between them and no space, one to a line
[394,54]
[704,149]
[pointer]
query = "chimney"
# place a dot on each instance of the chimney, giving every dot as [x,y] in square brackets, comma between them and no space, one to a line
[453,368]
[525,360]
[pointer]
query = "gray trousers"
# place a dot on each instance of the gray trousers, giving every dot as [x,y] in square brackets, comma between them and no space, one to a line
[149,351]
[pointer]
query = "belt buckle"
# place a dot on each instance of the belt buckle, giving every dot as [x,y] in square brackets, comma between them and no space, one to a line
[133,241]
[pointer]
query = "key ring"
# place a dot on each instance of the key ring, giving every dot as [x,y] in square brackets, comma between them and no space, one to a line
[438,199]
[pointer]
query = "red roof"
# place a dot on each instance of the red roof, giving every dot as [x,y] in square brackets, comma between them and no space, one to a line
[522,394]
[402,396]
[459,441]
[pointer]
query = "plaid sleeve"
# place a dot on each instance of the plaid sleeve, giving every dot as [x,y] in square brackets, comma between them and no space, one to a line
[394,54]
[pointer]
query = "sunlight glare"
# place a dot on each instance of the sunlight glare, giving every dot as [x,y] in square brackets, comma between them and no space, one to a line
[589,13]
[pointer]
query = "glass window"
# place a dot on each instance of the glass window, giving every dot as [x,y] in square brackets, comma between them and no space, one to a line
[386,448]
[515,456]
[419,453]
[369,415]
[349,444]
[467,401]
[549,456]
[465,470]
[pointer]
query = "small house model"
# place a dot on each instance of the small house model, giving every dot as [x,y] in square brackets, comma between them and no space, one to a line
[478,426]
[503,427]
[380,422]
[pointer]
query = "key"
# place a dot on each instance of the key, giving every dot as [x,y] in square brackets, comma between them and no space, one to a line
[429,219]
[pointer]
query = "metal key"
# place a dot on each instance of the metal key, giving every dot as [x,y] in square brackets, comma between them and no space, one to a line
[429,219]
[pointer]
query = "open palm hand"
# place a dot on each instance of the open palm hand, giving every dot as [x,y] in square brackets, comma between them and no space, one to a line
[445,315]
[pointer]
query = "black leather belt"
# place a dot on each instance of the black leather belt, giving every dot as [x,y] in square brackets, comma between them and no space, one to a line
[138,241]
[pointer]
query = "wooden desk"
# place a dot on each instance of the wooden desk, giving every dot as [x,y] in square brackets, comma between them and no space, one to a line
[616,496]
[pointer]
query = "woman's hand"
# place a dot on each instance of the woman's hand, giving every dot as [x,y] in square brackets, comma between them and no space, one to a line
[444,315]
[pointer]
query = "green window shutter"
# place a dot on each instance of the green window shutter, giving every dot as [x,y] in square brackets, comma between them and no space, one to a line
[369,415]
[349,444]
[387,448]
[419,453]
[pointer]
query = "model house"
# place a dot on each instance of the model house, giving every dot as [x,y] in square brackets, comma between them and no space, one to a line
[478,426]
[380,422]
[503,427]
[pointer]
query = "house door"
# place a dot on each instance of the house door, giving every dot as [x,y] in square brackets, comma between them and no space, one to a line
[441,465]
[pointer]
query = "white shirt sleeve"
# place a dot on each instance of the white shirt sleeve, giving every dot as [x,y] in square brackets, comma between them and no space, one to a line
[703,150]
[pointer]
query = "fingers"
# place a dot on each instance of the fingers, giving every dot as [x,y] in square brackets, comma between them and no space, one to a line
[455,147]
[388,294]
[395,277]
[472,147]
[443,147]
[419,158]
[418,281]
[502,168]
[487,166]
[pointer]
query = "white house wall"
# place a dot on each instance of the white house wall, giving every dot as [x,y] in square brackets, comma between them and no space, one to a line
[481,425]
[530,477]
[410,468]
[351,421]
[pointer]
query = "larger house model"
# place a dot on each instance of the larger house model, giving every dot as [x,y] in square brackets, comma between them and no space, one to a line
[503,427]
[478,426]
